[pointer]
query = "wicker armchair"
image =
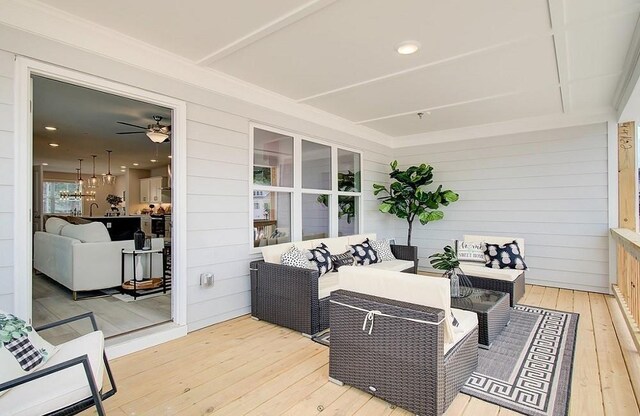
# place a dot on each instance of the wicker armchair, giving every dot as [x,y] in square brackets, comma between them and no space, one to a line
[401,361]
[288,296]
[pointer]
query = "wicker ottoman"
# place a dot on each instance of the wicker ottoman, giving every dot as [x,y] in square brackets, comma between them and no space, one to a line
[493,312]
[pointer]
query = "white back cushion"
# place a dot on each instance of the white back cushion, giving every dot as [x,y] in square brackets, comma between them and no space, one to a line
[54,225]
[94,232]
[405,287]
[496,240]
[359,238]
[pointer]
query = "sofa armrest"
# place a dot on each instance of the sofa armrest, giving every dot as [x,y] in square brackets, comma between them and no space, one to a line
[53,256]
[409,253]
[284,295]
[398,352]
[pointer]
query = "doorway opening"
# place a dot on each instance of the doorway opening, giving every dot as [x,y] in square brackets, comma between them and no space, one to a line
[65,195]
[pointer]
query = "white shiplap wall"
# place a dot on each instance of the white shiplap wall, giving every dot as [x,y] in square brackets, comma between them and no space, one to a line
[6,180]
[549,187]
[217,173]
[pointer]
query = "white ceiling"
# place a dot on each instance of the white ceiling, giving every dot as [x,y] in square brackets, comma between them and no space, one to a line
[86,122]
[481,62]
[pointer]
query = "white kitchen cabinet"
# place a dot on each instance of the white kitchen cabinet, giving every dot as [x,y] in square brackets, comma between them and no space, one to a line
[144,190]
[151,190]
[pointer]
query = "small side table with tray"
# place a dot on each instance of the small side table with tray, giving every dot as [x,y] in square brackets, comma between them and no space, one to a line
[493,310]
[146,286]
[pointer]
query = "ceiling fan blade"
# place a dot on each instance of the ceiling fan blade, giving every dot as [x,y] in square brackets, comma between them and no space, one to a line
[132,125]
[131,132]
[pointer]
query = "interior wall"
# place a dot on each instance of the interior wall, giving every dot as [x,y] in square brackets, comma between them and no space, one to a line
[548,187]
[218,220]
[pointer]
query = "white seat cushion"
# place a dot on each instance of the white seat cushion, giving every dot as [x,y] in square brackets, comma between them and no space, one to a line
[391,265]
[482,271]
[405,287]
[327,283]
[60,389]
[94,232]
[467,320]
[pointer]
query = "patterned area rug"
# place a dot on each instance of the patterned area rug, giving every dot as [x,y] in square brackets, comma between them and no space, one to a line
[528,367]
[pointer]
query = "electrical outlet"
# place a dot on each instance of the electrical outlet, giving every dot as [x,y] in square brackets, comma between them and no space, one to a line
[108,225]
[206,279]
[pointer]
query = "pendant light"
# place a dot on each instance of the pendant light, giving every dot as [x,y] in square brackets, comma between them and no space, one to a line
[93,180]
[80,180]
[109,179]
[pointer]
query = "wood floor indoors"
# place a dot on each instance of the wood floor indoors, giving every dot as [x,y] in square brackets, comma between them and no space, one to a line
[247,367]
[52,302]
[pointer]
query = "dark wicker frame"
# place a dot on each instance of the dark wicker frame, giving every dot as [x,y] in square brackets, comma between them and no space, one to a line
[96,397]
[515,289]
[288,296]
[402,361]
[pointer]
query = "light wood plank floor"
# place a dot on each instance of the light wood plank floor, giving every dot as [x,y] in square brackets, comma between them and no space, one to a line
[52,302]
[246,367]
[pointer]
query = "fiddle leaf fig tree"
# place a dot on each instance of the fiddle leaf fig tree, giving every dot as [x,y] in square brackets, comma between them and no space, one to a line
[407,198]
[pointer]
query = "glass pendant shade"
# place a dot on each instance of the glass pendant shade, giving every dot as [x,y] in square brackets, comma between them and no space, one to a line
[108,179]
[80,180]
[92,182]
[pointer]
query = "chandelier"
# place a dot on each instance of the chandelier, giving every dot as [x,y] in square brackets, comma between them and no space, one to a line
[77,194]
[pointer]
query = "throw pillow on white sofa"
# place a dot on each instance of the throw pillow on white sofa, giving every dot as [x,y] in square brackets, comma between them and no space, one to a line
[54,225]
[94,232]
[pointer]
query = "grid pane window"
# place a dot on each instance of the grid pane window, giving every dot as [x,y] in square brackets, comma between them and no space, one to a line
[272,159]
[316,166]
[348,215]
[315,216]
[348,171]
[53,204]
[271,218]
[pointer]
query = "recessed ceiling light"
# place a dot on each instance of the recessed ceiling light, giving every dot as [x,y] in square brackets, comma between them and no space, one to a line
[169,156]
[135,164]
[123,170]
[50,128]
[408,47]
[54,144]
[123,167]
[45,164]
[153,161]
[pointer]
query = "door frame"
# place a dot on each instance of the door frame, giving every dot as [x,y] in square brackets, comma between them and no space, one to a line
[23,140]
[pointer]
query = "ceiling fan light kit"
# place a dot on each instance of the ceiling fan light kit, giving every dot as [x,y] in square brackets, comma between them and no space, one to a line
[156,136]
[158,133]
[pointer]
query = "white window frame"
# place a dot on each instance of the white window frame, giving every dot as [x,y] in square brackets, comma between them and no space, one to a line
[297,190]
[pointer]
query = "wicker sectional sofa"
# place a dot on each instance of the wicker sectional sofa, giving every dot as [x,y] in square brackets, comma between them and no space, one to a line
[393,336]
[501,280]
[295,297]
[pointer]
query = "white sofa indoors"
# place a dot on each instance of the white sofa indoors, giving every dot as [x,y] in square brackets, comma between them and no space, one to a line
[503,280]
[83,257]
[296,298]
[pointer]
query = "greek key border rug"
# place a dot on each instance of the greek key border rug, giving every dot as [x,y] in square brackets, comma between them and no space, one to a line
[528,367]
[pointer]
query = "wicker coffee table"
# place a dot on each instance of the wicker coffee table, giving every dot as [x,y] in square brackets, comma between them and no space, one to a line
[493,312]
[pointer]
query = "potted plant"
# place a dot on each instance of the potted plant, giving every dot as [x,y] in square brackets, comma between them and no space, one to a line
[449,263]
[114,201]
[407,199]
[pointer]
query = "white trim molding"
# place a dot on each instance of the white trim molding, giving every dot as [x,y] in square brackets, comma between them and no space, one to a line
[25,67]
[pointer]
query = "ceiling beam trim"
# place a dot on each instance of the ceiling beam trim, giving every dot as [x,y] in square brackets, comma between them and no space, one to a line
[266,30]
[440,107]
[557,17]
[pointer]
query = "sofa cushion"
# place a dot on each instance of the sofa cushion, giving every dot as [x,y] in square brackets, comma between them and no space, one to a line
[467,321]
[480,270]
[22,350]
[94,232]
[364,253]
[470,251]
[505,256]
[393,265]
[320,256]
[66,387]
[327,284]
[495,240]
[383,248]
[360,238]
[405,287]
[54,225]
[295,257]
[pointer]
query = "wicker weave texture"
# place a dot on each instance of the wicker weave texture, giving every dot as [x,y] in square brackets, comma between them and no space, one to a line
[515,289]
[406,253]
[492,322]
[401,361]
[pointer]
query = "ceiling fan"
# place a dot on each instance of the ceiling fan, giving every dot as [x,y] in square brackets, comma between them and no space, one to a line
[158,133]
